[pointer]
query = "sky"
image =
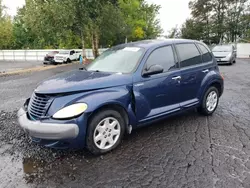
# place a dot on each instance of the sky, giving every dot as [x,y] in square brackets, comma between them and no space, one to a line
[173,12]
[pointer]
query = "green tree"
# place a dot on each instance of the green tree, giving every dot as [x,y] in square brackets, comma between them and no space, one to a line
[192,29]
[22,35]
[6,37]
[85,23]
[216,21]
[140,19]
[173,33]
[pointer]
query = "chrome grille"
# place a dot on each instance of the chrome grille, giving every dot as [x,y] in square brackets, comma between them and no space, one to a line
[59,58]
[38,105]
[221,57]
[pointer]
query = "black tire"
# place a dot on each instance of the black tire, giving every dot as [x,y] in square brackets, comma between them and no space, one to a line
[203,109]
[94,121]
[68,60]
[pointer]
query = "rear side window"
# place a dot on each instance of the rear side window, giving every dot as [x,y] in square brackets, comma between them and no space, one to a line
[206,55]
[189,55]
[163,56]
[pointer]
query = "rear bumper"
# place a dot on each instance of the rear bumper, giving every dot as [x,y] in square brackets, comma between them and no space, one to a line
[50,131]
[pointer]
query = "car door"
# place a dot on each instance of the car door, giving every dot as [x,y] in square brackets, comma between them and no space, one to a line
[158,94]
[193,71]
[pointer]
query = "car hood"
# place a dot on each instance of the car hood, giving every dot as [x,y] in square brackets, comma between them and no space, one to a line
[221,54]
[79,80]
[61,55]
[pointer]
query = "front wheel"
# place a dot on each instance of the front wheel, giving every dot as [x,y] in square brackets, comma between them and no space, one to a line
[68,60]
[210,101]
[105,132]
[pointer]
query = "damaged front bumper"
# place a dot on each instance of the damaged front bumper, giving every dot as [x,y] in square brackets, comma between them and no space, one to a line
[48,131]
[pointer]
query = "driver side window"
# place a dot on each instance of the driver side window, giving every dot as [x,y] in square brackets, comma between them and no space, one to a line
[164,57]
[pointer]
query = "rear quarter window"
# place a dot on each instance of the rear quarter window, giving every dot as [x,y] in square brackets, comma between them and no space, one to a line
[206,55]
[189,55]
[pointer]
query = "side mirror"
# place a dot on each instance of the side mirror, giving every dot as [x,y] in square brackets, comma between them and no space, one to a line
[154,69]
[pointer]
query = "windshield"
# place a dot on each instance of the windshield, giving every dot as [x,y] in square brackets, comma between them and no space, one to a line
[64,52]
[222,49]
[120,60]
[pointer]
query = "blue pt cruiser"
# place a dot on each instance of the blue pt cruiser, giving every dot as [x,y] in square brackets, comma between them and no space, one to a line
[128,86]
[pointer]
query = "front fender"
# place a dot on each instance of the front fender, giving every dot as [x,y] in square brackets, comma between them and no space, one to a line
[96,99]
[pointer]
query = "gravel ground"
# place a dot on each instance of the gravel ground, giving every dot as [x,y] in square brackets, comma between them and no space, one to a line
[6,66]
[185,151]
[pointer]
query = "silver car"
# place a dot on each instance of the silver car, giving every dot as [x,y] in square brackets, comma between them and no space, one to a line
[225,54]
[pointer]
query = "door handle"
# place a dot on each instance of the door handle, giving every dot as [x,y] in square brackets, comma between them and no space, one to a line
[205,71]
[176,78]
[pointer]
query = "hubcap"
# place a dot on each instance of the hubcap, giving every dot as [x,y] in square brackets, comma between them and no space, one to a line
[106,133]
[211,101]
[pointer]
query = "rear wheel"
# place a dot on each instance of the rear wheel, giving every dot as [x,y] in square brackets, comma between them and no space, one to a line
[210,101]
[105,132]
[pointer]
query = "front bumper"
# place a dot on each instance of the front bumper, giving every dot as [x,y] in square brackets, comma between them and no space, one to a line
[48,62]
[48,131]
[59,61]
[223,60]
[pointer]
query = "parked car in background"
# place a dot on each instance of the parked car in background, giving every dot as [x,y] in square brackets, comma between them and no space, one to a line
[66,56]
[49,58]
[126,87]
[225,54]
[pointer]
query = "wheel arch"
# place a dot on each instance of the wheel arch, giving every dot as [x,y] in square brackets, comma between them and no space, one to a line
[218,86]
[213,83]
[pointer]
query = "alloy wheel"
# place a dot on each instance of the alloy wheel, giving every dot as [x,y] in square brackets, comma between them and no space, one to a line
[212,100]
[107,133]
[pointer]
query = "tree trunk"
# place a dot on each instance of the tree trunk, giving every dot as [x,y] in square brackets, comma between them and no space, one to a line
[95,44]
[83,47]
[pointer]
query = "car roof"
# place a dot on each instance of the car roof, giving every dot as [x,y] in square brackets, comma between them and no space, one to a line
[154,43]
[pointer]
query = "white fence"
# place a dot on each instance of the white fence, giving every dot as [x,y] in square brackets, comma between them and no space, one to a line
[35,55]
[243,50]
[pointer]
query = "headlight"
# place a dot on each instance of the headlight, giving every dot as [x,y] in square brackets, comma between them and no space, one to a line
[71,111]
[229,56]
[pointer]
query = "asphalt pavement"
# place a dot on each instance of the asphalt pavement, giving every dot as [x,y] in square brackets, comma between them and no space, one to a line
[185,151]
[7,66]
